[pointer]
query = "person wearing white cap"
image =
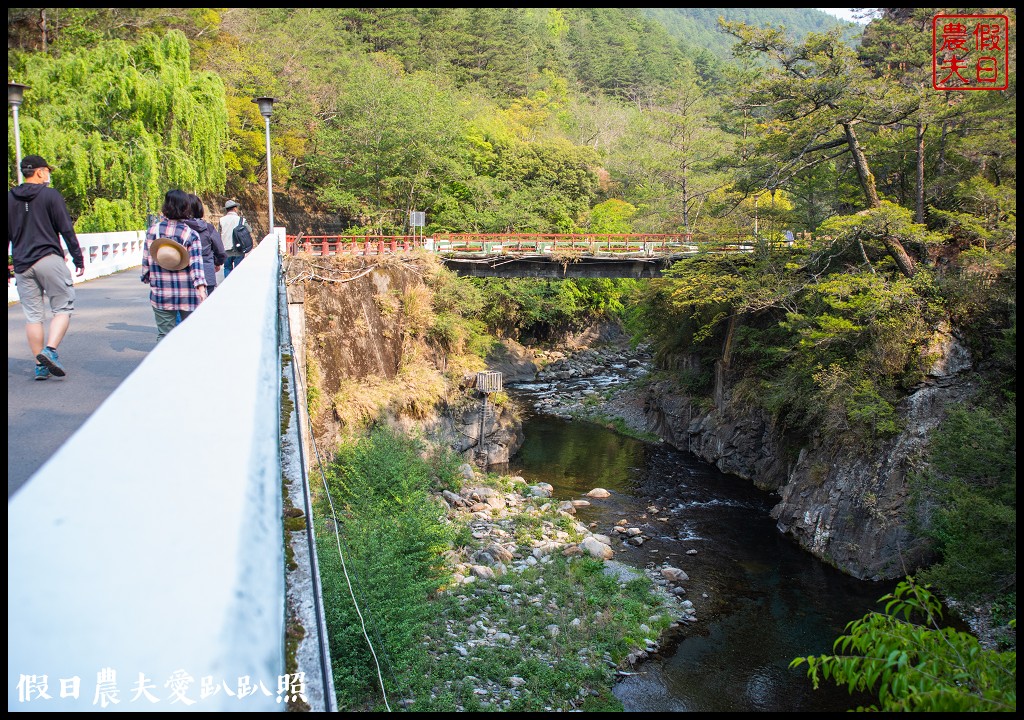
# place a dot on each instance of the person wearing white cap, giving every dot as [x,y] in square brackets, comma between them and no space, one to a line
[37,219]
[228,223]
[172,264]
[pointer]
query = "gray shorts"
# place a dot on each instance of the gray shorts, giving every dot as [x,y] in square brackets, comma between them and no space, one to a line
[50,275]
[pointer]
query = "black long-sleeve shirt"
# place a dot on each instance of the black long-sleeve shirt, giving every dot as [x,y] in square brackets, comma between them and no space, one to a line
[37,218]
[213,248]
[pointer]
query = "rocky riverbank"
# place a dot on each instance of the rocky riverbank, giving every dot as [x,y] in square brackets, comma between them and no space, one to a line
[521,544]
[601,384]
[518,582]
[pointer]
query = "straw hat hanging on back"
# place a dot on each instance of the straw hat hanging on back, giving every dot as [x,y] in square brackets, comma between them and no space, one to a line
[169,254]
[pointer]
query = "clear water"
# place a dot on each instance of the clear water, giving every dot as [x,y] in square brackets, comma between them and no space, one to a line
[760,599]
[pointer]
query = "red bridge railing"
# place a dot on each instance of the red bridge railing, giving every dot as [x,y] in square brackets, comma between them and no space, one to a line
[488,243]
[352,244]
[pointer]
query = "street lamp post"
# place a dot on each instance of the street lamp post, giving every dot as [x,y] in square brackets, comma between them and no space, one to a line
[756,199]
[266,105]
[15,94]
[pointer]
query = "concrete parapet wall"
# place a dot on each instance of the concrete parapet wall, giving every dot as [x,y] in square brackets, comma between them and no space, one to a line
[151,542]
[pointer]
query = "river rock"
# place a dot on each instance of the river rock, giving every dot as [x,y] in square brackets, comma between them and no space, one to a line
[483,572]
[597,549]
[674,574]
[544,548]
[453,499]
[598,493]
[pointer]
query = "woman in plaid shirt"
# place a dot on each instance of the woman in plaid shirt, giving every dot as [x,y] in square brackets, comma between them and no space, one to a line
[174,291]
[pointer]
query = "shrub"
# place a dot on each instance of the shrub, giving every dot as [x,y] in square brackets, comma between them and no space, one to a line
[913,664]
[393,536]
[971,489]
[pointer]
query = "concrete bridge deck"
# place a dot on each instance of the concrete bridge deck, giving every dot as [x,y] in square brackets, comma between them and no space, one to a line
[112,331]
[551,268]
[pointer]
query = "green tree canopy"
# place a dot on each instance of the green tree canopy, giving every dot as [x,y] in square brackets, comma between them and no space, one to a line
[122,124]
[914,664]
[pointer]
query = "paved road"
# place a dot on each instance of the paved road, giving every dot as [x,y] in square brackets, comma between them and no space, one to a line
[111,332]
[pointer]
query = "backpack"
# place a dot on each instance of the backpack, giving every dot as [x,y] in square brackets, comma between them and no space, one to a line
[241,238]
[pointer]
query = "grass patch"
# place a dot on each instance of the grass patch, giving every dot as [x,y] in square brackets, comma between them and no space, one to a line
[541,637]
[619,425]
[548,638]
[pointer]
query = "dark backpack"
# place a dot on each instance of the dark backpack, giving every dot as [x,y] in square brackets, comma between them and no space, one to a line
[241,238]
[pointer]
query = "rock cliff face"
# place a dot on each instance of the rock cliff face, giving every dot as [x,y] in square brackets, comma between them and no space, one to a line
[844,505]
[366,357]
[461,431]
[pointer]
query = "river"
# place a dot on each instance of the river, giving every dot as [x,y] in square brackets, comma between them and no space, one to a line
[760,599]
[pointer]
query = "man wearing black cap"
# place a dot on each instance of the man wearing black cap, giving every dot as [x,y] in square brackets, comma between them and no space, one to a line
[37,218]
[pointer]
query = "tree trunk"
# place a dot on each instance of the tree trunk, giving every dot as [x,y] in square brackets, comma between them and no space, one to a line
[729,333]
[867,180]
[686,206]
[942,139]
[921,127]
[903,261]
[42,26]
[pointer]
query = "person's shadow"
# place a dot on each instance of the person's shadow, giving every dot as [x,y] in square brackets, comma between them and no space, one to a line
[140,344]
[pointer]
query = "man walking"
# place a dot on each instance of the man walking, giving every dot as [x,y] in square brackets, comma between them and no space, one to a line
[228,223]
[37,218]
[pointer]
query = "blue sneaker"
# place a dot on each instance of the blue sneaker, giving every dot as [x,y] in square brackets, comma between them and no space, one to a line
[42,373]
[48,357]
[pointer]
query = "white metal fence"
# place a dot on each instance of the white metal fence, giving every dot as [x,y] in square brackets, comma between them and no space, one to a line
[104,253]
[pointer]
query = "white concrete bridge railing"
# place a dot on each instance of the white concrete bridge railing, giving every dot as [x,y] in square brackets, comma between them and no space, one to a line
[104,254]
[145,558]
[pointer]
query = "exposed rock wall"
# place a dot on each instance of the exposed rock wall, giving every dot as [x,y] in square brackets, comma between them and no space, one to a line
[846,505]
[460,430]
[364,323]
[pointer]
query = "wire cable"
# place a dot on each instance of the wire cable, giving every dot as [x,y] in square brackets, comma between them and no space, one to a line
[344,569]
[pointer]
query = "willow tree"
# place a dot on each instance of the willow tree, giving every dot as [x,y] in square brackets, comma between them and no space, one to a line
[812,99]
[123,124]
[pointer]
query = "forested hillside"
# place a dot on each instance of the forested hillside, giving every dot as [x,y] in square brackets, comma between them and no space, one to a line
[607,120]
[698,27]
[379,111]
